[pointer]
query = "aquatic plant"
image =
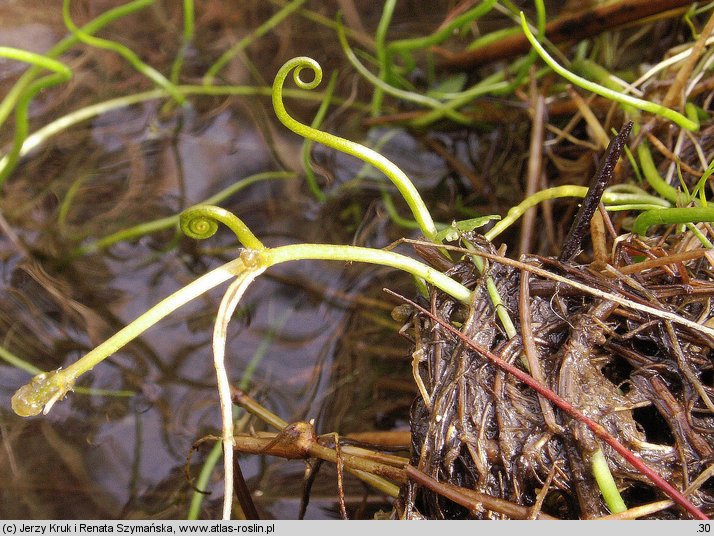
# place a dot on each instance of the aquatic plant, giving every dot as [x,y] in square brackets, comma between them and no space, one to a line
[200,222]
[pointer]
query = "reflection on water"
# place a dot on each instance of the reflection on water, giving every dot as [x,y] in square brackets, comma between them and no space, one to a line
[123,456]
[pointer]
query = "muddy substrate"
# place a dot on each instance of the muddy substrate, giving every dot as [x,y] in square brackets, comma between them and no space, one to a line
[645,379]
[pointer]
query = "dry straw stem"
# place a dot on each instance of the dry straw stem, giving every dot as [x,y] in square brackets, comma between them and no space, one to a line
[473,500]
[566,407]
[298,441]
[659,313]
[675,95]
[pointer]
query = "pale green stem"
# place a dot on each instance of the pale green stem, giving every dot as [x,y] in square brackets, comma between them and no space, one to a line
[169,222]
[501,310]
[492,37]
[699,188]
[606,483]
[603,91]
[444,32]
[125,52]
[220,333]
[47,388]
[649,170]
[310,177]
[609,197]
[700,236]
[11,98]
[395,216]
[368,255]
[36,59]
[328,22]
[215,454]
[62,73]
[203,480]
[488,85]
[404,47]
[493,294]
[189,18]
[639,207]
[58,125]
[493,84]
[165,307]
[18,362]
[396,175]
[380,37]
[417,98]
[22,121]
[261,30]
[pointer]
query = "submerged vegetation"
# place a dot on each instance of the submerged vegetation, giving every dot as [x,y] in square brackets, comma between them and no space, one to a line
[575,382]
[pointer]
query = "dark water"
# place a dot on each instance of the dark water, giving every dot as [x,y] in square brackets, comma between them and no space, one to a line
[323,355]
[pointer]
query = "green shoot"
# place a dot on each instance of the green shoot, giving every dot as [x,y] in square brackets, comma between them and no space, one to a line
[12,97]
[606,483]
[189,19]
[125,52]
[310,177]
[47,388]
[170,222]
[409,96]
[61,73]
[39,137]
[640,104]
[260,31]
[396,175]
[380,39]
[201,222]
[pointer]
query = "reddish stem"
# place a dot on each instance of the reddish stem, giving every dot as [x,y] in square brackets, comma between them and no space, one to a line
[568,408]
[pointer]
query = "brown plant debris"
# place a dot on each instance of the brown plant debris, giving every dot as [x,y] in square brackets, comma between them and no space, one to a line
[644,379]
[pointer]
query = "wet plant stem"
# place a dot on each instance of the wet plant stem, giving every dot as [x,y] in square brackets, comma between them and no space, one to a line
[43,134]
[61,73]
[47,388]
[568,408]
[406,46]
[169,222]
[52,386]
[649,170]
[203,481]
[500,308]
[22,121]
[310,177]
[125,52]
[260,31]
[606,483]
[189,27]
[380,39]
[611,198]
[410,96]
[11,98]
[671,216]
[371,256]
[622,98]
[220,334]
[396,175]
[36,59]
